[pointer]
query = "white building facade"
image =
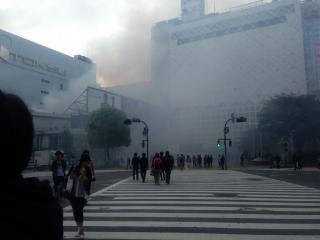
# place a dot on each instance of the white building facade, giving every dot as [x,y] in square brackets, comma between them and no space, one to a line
[209,66]
[35,72]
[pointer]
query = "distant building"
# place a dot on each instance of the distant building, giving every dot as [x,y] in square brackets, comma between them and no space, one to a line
[35,72]
[248,54]
[311,26]
[208,66]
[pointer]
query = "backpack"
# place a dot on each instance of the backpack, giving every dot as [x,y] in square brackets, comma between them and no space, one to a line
[157,163]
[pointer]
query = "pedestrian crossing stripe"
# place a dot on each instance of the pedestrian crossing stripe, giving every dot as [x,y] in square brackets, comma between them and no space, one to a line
[195,203]
[185,236]
[235,216]
[213,206]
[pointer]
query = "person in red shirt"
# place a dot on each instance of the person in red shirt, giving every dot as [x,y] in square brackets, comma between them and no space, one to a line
[157,168]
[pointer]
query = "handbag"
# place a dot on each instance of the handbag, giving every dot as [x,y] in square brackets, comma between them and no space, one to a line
[69,184]
[68,188]
[152,172]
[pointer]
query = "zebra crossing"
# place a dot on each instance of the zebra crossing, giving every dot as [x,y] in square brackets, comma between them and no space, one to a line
[201,204]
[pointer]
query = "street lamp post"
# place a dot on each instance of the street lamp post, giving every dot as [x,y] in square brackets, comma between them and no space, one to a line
[226,131]
[146,130]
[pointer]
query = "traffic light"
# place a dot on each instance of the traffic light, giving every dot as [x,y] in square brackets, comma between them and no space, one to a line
[142,144]
[230,143]
[241,119]
[218,144]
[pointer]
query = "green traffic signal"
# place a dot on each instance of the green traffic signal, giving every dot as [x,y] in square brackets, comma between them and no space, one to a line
[218,145]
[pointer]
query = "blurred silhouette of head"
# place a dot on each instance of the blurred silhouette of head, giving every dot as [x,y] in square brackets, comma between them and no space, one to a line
[16,127]
[85,155]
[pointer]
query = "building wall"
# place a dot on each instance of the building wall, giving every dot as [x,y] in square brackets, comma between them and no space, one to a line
[249,55]
[226,63]
[35,72]
[311,15]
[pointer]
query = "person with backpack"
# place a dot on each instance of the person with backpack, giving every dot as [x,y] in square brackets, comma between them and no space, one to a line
[168,166]
[143,166]
[157,168]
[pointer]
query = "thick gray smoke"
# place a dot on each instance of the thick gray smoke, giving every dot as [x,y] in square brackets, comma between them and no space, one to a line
[125,58]
[59,101]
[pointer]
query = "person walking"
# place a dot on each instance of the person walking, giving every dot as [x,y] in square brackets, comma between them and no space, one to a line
[199,161]
[143,166]
[189,162]
[211,161]
[79,177]
[222,162]
[135,166]
[168,166]
[90,171]
[194,161]
[242,160]
[278,160]
[157,167]
[28,207]
[128,163]
[162,172]
[58,169]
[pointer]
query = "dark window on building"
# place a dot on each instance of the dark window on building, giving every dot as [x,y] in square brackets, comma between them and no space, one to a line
[45,81]
[44,92]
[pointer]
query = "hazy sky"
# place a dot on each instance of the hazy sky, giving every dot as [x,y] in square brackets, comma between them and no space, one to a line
[94,28]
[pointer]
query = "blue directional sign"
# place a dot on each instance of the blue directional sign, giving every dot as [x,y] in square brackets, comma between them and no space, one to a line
[145,131]
[226,130]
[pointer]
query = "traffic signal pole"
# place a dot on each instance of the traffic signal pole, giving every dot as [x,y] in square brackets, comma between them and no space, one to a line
[146,126]
[225,143]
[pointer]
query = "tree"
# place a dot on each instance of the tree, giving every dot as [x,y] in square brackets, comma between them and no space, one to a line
[293,117]
[106,129]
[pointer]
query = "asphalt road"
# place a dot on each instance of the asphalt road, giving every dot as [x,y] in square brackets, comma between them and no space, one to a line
[307,178]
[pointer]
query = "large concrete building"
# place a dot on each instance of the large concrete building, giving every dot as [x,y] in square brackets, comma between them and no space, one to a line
[36,73]
[211,65]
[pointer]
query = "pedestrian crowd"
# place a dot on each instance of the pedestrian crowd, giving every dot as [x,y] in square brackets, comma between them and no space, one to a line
[162,164]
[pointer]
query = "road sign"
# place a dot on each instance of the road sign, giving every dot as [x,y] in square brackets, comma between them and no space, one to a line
[145,131]
[226,130]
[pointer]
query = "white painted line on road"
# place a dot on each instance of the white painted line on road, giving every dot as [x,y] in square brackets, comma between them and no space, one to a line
[185,236]
[177,203]
[196,215]
[161,194]
[108,188]
[137,197]
[186,208]
[269,226]
[282,193]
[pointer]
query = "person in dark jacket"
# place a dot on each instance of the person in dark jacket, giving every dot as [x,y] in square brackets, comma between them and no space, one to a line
[135,166]
[168,166]
[222,162]
[143,166]
[28,208]
[58,169]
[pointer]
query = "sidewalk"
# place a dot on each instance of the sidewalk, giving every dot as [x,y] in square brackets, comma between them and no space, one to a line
[265,168]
